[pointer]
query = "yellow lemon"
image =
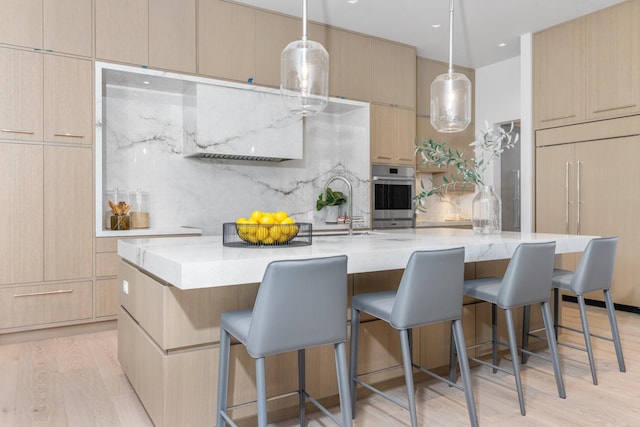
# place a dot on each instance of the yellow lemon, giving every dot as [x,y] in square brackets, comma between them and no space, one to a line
[262,233]
[268,241]
[251,238]
[286,225]
[280,216]
[251,226]
[283,238]
[294,231]
[240,226]
[275,232]
[255,216]
[267,219]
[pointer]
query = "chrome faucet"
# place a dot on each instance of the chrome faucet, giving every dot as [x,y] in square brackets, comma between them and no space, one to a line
[350,200]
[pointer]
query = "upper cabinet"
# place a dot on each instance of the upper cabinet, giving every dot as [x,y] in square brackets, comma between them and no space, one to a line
[67,26]
[122,31]
[157,33]
[21,81]
[558,75]
[56,25]
[392,135]
[273,33]
[393,73]
[613,61]
[172,35]
[587,69]
[349,59]
[68,107]
[224,30]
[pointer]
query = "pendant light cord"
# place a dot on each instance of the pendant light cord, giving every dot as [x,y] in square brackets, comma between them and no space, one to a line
[450,35]
[304,20]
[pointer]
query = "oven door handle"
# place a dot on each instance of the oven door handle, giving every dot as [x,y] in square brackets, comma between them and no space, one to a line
[392,178]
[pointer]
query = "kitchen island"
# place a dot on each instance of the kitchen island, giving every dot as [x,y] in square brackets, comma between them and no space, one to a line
[173,291]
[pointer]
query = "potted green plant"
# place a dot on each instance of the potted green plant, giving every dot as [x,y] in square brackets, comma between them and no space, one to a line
[331,200]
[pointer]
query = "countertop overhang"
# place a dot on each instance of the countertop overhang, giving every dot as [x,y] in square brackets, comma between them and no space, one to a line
[203,262]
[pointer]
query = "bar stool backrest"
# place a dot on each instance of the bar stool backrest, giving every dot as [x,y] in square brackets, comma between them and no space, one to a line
[300,303]
[595,270]
[431,289]
[528,276]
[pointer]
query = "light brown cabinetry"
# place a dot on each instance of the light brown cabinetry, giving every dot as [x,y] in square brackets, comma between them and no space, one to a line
[55,25]
[21,86]
[582,187]
[68,85]
[45,88]
[172,35]
[613,61]
[349,58]
[224,30]
[273,33]
[68,214]
[122,31]
[558,75]
[68,26]
[587,69]
[393,73]
[392,135]
[21,230]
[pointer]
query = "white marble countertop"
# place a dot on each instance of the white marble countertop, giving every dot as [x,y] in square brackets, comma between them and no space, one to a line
[162,231]
[201,262]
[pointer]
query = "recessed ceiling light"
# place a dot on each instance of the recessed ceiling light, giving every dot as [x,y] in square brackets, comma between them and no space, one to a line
[145,82]
[502,44]
[435,26]
[352,1]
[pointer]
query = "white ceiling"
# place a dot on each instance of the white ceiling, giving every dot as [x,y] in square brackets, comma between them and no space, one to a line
[479,25]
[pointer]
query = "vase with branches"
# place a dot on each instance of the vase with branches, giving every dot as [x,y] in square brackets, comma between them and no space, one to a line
[467,173]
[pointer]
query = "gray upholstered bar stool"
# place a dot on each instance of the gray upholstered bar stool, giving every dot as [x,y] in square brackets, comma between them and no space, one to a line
[527,281]
[300,304]
[430,291]
[594,273]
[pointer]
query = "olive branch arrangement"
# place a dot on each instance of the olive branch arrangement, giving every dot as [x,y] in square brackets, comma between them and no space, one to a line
[491,144]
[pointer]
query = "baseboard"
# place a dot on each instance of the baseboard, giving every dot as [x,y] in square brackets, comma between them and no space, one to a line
[57,332]
[598,303]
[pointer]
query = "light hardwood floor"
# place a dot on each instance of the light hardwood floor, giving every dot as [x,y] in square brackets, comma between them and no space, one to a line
[77,381]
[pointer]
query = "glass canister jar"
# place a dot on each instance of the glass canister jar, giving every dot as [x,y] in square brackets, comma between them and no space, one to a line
[140,209]
[487,211]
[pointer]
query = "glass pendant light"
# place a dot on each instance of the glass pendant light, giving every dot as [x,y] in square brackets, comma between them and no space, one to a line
[450,95]
[304,74]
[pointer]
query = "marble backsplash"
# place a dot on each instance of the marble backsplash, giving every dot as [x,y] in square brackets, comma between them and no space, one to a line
[141,147]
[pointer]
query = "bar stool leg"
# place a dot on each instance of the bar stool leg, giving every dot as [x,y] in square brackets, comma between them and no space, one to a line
[494,336]
[223,376]
[301,386]
[526,315]
[458,337]
[452,354]
[587,337]
[614,329]
[261,391]
[553,347]
[353,363]
[407,362]
[556,311]
[343,383]
[514,357]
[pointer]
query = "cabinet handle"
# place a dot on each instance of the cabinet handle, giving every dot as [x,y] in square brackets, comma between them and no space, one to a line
[578,198]
[382,157]
[70,135]
[567,203]
[33,294]
[27,132]
[558,118]
[615,108]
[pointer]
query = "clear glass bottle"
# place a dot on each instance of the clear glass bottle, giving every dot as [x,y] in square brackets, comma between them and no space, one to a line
[487,211]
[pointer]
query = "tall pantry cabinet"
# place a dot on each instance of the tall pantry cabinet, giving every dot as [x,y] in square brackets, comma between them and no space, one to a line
[586,105]
[46,163]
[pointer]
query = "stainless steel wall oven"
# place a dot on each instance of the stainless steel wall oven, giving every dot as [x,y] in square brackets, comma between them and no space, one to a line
[393,190]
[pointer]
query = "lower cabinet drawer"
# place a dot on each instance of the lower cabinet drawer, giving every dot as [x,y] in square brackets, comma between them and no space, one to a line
[42,304]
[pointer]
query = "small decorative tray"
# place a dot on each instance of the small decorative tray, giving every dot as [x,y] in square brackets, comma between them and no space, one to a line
[266,235]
